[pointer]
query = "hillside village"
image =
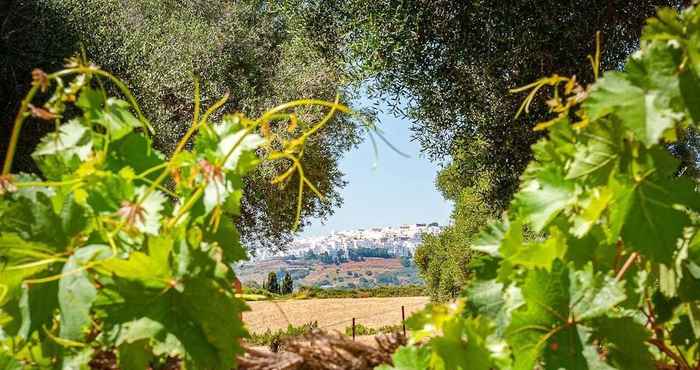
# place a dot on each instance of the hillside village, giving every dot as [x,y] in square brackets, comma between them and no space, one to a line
[400,241]
[345,259]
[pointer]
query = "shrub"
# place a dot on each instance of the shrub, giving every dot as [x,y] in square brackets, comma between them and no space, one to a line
[275,339]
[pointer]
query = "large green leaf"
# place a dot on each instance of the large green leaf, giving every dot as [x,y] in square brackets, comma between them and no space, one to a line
[543,194]
[116,118]
[36,220]
[548,329]
[491,299]
[135,151]
[593,295]
[76,291]
[646,114]
[489,239]
[72,139]
[625,343]
[228,238]
[136,355]
[152,269]
[8,362]
[410,358]
[463,345]
[37,307]
[73,217]
[598,150]
[197,323]
[13,252]
[646,216]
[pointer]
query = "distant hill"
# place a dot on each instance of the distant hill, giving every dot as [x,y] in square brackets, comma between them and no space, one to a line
[367,273]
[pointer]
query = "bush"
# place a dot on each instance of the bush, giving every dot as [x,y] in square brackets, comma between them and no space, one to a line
[385,291]
[363,330]
[274,339]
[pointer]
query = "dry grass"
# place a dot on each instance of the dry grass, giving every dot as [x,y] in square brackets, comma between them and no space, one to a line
[330,313]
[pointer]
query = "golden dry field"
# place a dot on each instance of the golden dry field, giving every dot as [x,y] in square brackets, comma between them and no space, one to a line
[331,313]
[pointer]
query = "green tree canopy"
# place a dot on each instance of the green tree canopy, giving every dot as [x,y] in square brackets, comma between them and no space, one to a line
[272,285]
[248,49]
[287,284]
[448,66]
[444,260]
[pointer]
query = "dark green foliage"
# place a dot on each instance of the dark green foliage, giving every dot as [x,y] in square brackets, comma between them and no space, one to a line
[287,284]
[453,62]
[609,280]
[271,284]
[248,49]
[360,253]
[443,260]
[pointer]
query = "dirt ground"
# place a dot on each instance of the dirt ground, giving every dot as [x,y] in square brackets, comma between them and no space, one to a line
[331,313]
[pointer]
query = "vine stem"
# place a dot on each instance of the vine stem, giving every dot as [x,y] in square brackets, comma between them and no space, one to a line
[22,114]
[626,266]
[658,341]
[19,120]
[668,352]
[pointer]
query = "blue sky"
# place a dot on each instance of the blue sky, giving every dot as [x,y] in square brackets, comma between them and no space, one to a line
[398,190]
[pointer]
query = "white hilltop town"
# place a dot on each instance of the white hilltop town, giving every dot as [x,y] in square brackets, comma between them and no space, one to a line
[398,241]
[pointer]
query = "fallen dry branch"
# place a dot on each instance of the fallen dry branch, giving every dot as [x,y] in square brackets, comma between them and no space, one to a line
[321,350]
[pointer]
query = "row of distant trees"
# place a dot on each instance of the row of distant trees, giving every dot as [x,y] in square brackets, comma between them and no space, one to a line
[272,285]
[353,254]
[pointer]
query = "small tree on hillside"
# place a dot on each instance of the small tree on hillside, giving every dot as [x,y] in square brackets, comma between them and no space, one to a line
[287,284]
[272,285]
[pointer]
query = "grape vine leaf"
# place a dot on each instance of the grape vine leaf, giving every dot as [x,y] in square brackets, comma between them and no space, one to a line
[489,239]
[410,358]
[36,220]
[135,151]
[458,353]
[136,355]
[643,213]
[72,139]
[10,245]
[540,254]
[548,329]
[7,362]
[37,306]
[76,292]
[625,343]
[645,114]
[596,154]
[152,207]
[544,193]
[493,300]
[116,118]
[73,217]
[178,323]
[235,142]
[591,210]
[592,295]
[216,192]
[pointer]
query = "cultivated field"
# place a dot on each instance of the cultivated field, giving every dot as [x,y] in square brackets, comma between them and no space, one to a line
[331,313]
